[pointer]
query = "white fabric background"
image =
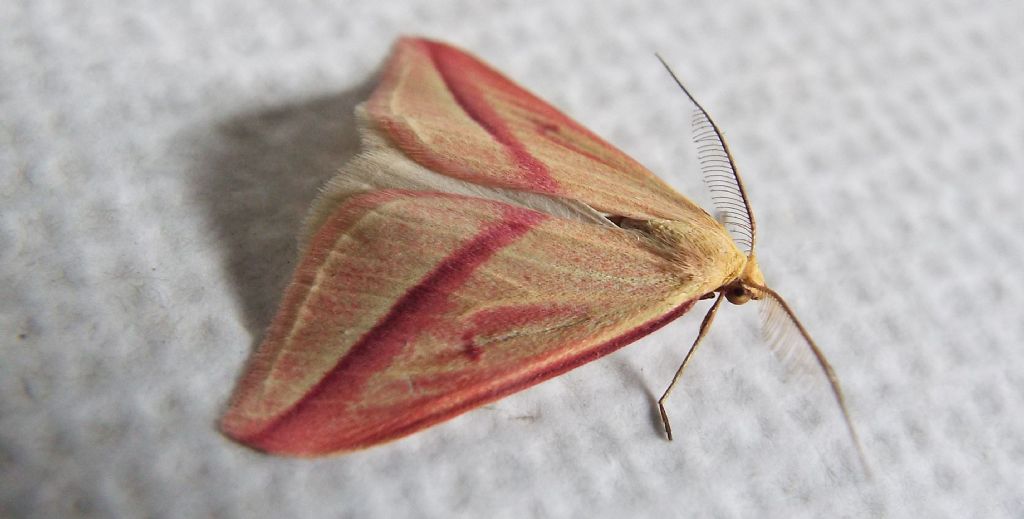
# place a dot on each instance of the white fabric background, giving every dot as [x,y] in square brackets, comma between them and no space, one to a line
[157,157]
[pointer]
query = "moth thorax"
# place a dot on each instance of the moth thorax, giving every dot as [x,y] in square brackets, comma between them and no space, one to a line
[694,245]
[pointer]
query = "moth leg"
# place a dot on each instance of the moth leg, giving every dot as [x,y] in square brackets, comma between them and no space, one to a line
[704,327]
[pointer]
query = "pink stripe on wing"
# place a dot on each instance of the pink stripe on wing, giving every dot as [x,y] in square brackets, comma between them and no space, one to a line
[311,425]
[461,74]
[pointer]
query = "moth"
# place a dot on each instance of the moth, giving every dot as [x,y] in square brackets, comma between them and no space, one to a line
[483,242]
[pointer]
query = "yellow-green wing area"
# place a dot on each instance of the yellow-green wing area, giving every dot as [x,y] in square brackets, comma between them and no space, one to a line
[410,307]
[455,115]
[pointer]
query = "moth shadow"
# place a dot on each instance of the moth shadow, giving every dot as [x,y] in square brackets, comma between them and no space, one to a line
[258,173]
[635,378]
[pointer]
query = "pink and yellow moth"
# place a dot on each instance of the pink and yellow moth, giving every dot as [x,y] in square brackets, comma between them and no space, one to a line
[483,242]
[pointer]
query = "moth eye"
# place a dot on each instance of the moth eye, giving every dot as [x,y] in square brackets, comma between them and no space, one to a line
[737,295]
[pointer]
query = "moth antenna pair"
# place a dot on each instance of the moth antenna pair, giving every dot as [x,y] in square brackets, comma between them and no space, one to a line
[779,324]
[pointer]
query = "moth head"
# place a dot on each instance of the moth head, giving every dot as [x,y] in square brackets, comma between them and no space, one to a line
[748,285]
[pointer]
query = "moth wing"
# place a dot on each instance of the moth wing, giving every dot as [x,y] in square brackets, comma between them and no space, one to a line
[381,166]
[411,307]
[455,115]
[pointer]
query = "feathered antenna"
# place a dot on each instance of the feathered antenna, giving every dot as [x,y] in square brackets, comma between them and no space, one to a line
[784,333]
[720,173]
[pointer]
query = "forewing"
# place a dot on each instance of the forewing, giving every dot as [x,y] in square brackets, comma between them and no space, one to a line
[411,307]
[455,115]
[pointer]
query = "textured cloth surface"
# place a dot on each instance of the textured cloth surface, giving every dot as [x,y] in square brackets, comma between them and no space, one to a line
[157,159]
